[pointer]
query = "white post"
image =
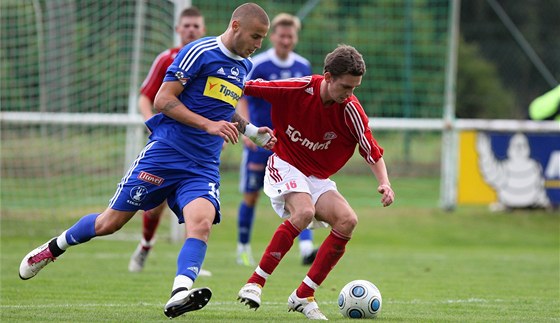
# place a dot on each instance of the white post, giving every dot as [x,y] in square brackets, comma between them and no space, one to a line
[135,133]
[448,185]
[177,231]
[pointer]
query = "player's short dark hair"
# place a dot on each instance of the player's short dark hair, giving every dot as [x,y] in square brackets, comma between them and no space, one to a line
[191,12]
[345,59]
[250,10]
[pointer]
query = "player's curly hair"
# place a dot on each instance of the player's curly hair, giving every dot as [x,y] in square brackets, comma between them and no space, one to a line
[345,59]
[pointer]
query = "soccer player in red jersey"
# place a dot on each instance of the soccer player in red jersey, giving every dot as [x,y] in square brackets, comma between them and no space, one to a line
[318,123]
[190,27]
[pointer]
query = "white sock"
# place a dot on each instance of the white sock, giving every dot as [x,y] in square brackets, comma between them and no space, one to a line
[307,281]
[261,273]
[305,247]
[243,247]
[61,241]
[182,281]
[147,244]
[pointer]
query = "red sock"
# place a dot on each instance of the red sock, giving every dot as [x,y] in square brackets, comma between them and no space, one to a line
[149,225]
[328,255]
[281,242]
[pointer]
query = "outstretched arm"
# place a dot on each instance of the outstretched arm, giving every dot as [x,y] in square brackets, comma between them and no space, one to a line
[489,166]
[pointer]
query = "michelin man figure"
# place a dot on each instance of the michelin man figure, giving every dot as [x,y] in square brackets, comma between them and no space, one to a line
[518,180]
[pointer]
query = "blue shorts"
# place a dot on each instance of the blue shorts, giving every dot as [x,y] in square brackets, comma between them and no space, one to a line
[161,172]
[251,180]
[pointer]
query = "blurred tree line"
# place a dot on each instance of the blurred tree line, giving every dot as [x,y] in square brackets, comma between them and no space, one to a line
[496,79]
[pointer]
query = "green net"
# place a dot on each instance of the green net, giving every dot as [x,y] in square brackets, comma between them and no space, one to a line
[70,56]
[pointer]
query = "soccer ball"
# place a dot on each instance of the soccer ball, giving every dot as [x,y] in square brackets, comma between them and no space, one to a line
[359,299]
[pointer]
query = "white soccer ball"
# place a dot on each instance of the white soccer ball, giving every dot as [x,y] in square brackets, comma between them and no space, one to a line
[359,299]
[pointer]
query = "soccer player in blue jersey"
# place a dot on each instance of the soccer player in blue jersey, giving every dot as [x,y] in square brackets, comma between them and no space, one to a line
[278,62]
[181,161]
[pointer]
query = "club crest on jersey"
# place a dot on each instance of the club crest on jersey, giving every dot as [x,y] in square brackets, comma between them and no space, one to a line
[222,90]
[181,77]
[234,74]
[137,195]
[152,179]
[329,135]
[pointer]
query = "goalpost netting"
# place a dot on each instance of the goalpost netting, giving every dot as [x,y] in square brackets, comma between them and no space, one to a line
[70,73]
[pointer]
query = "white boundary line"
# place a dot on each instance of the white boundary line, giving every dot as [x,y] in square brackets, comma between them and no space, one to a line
[215,304]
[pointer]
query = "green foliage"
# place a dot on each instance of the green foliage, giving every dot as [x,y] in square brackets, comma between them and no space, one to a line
[536,21]
[480,93]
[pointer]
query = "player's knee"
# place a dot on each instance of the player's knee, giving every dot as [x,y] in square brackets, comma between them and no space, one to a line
[250,199]
[346,223]
[205,225]
[200,229]
[303,216]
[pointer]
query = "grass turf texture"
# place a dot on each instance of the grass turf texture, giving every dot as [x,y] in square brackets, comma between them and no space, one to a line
[431,266]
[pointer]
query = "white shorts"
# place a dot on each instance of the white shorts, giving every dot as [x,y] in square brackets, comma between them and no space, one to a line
[282,178]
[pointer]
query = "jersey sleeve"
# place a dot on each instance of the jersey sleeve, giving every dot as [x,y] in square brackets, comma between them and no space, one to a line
[153,81]
[185,66]
[273,91]
[358,123]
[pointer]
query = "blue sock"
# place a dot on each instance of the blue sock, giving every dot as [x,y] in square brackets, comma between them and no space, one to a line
[306,234]
[83,230]
[245,222]
[191,257]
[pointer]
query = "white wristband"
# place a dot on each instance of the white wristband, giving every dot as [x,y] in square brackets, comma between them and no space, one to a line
[251,130]
[252,133]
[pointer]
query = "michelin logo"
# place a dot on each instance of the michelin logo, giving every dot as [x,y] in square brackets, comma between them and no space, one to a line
[295,136]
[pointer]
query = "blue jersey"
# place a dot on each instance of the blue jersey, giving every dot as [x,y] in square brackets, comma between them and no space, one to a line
[213,79]
[268,66]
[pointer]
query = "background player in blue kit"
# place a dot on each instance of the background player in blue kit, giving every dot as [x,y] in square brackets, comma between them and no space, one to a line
[278,62]
[181,161]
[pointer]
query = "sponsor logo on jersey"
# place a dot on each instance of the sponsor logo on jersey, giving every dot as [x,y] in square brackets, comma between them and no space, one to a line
[181,77]
[221,71]
[309,90]
[295,136]
[222,90]
[152,179]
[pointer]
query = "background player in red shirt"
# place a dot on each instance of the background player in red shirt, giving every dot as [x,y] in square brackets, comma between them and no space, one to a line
[318,123]
[190,27]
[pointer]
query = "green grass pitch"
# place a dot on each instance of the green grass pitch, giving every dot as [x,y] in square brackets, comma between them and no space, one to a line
[431,266]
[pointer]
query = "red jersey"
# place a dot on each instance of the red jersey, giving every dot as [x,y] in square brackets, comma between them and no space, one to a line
[317,139]
[153,81]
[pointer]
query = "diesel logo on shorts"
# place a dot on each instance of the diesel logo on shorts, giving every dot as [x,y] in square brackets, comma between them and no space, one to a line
[153,179]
